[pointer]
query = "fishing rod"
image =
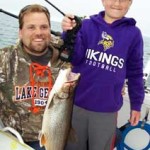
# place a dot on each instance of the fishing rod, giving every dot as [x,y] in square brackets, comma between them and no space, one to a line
[55,7]
[67,48]
[15,16]
[76,18]
[8,13]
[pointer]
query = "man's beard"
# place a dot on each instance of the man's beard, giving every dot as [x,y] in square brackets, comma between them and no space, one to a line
[38,49]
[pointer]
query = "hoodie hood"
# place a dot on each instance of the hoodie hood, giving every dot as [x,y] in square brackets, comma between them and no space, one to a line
[99,18]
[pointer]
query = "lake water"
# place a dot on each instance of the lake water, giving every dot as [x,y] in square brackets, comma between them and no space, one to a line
[9,34]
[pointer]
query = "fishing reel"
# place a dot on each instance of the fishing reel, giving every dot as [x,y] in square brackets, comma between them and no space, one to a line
[68,46]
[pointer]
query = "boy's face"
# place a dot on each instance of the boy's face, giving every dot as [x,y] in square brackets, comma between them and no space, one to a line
[115,9]
[35,32]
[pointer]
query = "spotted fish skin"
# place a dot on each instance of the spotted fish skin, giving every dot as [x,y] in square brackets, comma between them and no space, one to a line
[56,124]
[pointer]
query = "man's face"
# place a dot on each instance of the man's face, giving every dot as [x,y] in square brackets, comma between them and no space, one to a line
[35,33]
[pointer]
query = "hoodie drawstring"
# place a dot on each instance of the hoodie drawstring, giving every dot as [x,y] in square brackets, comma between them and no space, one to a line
[37,70]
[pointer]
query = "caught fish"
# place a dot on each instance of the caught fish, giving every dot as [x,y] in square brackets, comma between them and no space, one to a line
[56,126]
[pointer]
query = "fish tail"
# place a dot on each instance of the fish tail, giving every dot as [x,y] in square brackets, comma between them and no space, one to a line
[42,139]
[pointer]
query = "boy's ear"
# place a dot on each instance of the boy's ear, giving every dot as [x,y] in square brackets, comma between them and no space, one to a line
[130,2]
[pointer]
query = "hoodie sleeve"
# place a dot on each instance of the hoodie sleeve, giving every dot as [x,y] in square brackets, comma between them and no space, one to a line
[5,54]
[135,72]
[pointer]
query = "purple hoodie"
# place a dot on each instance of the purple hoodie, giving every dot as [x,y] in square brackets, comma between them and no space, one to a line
[105,55]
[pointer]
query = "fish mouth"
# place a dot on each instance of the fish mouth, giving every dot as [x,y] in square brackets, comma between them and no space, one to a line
[72,77]
[71,83]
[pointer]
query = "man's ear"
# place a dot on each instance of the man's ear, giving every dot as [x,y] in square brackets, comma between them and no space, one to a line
[20,34]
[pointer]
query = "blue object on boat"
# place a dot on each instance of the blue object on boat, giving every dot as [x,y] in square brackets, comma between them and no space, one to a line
[135,137]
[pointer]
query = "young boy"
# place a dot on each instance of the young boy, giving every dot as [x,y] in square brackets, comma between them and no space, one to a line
[108,49]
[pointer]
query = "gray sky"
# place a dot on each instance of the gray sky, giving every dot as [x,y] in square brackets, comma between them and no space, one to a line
[139,9]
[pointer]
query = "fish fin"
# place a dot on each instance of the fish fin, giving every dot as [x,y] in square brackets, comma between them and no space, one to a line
[72,136]
[42,139]
[51,102]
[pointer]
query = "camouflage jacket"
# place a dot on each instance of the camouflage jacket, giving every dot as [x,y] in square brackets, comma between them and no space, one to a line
[17,91]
